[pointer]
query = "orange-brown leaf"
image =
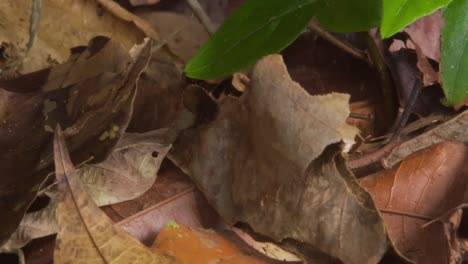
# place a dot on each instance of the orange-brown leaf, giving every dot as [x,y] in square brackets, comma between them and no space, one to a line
[198,246]
[423,187]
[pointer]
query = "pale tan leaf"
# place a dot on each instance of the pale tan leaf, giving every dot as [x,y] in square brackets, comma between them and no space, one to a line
[128,172]
[86,234]
[64,24]
[37,224]
[271,159]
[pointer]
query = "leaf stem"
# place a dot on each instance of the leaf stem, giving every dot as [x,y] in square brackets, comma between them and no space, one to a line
[386,83]
[342,44]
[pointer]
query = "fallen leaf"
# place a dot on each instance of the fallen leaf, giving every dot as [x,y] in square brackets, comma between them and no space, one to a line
[197,246]
[454,222]
[424,186]
[95,101]
[125,175]
[269,160]
[63,25]
[426,32]
[85,233]
[452,130]
[184,34]
[34,225]
[128,172]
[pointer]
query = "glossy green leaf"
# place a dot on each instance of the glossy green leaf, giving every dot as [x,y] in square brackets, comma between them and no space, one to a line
[397,14]
[256,28]
[349,15]
[454,54]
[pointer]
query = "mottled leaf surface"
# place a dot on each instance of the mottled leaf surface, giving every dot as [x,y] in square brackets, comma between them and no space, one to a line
[91,96]
[269,160]
[85,233]
[129,171]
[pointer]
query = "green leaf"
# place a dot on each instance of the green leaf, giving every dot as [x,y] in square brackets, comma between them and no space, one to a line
[397,14]
[454,57]
[350,15]
[256,29]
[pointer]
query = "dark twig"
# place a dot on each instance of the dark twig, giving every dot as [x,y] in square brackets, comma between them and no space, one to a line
[395,138]
[386,84]
[403,119]
[342,44]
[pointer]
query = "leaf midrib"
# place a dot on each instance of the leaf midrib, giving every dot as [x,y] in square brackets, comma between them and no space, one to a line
[242,39]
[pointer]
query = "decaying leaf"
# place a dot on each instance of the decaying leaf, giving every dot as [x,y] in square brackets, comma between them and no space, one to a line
[423,187]
[452,130]
[63,25]
[125,175]
[91,96]
[37,224]
[454,222]
[190,34]
[85,233]
[128,172]
[269,159]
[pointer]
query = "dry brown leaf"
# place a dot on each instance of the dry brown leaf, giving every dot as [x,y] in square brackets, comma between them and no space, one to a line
[85,233]
[64,24]
[424,186]
[34,225]
[125,175]
[128,172]
[158,102]
[262,162]
[89,108]
[190,34]
[452,130]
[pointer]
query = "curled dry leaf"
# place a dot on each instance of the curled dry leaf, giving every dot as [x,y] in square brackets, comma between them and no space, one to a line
[269,159]
[129,171]
[158,101]
[85,233]
[125,175]
[91,96]
[452,130]
[424,186]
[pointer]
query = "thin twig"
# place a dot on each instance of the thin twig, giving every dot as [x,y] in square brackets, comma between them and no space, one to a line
[401,122]
[386,84]
[342,44]
[373,157]
[395,135]
[202,16]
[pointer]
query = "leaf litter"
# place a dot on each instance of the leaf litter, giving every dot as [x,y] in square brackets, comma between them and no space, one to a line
[271,160]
